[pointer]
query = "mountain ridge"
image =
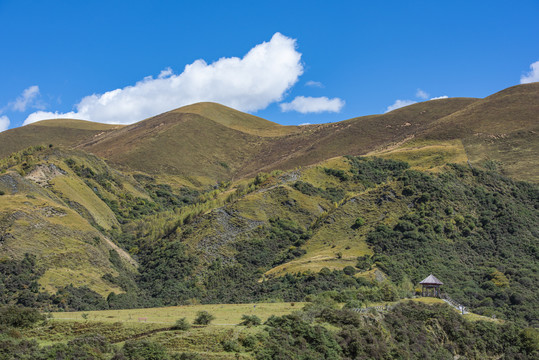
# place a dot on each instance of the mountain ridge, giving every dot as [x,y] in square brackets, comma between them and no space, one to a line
[218,143]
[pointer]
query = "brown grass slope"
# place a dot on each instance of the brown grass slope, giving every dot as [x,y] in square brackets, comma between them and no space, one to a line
[210,142]
[356,136]
[237,120]
[502,127]
[213,141]
[64,132]
[178,143]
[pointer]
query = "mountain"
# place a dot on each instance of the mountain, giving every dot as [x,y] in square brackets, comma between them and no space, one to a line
[208,204]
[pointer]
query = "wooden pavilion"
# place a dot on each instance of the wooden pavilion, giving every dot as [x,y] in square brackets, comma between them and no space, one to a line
[430,286]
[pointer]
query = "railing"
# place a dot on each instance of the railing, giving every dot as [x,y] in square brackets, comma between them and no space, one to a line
[456,305]
[377,308]
[447,299]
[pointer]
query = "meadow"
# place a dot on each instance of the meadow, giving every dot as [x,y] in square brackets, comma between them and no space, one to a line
[225,314]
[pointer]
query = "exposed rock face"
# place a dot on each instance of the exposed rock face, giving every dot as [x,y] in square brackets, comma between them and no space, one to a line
[43,173]
[229,228]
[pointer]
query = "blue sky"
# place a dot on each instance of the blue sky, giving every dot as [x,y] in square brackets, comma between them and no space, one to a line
[330,61]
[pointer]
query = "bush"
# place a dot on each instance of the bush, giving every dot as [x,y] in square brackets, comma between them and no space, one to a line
[358,223]
[231,346]
[15,316]
[144,350]
[203,318]
[186,356]
[181,324]
[250,320]
[249,342]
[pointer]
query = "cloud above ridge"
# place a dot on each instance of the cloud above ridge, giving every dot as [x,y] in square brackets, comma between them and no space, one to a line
[532,75]
[251,83]
[307,104]
[421,94]
[4,123]
[398,104]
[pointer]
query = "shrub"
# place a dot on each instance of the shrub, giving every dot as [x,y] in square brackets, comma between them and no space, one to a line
[358,223]
[250,320]
[15,316]
[203,318]
[181,324]
[364,263]
[349,270]
[147,350]
[186,356]
[249,342]
[231,346]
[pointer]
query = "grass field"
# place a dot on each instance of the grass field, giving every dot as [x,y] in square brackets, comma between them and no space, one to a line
[225,314]
[153,324]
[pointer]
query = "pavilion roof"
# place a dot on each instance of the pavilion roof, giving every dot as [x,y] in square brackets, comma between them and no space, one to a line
[431,280]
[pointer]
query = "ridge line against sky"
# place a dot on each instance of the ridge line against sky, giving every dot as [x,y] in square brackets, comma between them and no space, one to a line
[311,63]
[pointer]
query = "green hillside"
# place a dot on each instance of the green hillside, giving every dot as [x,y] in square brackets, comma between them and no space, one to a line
[175,209]
[207,205]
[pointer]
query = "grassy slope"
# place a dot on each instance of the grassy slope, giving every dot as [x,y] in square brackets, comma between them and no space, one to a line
[213,141]
[67,247]
[352,137]
[427,155]
[210,142]
[237,120]
[52,219]
[178,144]
[334,244]
[58,132]
[501,127]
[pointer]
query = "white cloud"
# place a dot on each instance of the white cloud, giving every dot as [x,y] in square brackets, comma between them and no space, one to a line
[250,83]
[421,94]
[26,99]
[532,76]
[44,115]
[399,104]
[307,104]
[439,97]
[4,123]
[303,124]
[312,83]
